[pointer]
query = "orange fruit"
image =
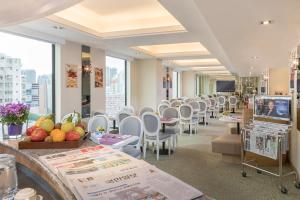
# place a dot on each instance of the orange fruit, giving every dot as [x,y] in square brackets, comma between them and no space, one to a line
[58,135]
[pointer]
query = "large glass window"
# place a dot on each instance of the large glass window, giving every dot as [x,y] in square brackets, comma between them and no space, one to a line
[175,84]
[115,84]
[26,72]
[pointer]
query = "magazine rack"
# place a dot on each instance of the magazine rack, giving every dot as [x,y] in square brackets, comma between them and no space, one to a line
[249,163]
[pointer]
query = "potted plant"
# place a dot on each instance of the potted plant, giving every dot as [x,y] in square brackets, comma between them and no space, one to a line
[14,115]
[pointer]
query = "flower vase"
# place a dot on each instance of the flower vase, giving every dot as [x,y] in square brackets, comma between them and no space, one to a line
[14,130]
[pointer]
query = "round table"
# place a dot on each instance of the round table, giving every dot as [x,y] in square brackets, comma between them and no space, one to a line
[233,119]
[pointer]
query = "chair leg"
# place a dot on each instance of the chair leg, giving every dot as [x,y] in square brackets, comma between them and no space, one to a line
[174,140]
[144,149]
[169,146]
[191,129]
[157,151]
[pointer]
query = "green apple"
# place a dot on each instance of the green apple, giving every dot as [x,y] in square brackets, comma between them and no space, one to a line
[67,126]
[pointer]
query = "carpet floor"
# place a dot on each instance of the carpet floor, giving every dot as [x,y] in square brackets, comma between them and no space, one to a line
[194,163]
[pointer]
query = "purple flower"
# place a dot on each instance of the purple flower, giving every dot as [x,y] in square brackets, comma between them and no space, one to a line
[14,113]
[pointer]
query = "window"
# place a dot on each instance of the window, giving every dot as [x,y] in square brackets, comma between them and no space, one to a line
[26,68]
[175,85]
[115,84]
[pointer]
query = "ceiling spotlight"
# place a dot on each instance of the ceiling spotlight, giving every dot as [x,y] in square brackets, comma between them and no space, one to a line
[266,22]
[58,27]
[254,57]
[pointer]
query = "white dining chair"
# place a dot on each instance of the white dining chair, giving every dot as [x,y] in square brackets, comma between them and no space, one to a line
[175,104]
[161,108]
[172,128]
[222,103]
[232,103]
[98,121]
[152,133]
[122,115]
[128,109]
[186,118]
[132,125]
[145,109]
[203,111]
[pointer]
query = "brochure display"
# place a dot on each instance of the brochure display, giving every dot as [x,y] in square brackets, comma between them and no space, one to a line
[270,140]
[96,173]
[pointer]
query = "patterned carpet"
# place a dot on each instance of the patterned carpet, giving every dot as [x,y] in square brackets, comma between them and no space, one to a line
[194,163]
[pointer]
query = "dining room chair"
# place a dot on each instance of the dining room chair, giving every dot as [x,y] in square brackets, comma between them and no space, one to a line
[132,125]
[203,111]
[222,103]
[186,118]
[152,133]
[232,103]
[165,101]
[172,128]
[98,121]
[161,108]
[175,104]
[128,109]
[145,109]
[122,115]
[213,107]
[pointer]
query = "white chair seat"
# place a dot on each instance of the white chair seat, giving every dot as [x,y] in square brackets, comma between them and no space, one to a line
[171,130]
[161,136]
[132,151]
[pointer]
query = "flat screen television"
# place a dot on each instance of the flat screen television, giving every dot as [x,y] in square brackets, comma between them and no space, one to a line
[225,86]
[273,107]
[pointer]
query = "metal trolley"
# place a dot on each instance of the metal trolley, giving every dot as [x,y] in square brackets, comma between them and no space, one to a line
[280,174]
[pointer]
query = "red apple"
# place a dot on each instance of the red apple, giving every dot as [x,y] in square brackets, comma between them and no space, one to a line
[30,130]
[81,124]
[72,136]
[38,135]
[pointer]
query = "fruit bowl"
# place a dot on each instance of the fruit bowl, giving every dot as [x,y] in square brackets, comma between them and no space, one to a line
[53,145]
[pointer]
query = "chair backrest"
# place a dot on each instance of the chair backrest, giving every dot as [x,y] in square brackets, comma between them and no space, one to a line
[208,103]
[197,99]
[122,115]
[172,100]
[165,102]
[161,108]
[128,109]
[202,106]
[185,112]
[98,121]
[232,100]
[132,125]
[187,101]
[170,113]
[195,105]
[151,124]
[212,103]
[221,100]
[175,104]
[99,112]
[145,109]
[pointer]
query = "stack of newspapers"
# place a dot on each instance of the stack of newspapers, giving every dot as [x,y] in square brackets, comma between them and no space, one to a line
[98,173]
[263,138]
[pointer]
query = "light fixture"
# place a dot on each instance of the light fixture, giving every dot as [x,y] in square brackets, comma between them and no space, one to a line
[265,22]
[254,57]
[87,69]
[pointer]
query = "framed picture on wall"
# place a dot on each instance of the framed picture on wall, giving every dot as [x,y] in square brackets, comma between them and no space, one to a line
[98,77]
[71,74]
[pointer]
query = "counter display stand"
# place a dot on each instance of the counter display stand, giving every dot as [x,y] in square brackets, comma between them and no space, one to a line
[279,145]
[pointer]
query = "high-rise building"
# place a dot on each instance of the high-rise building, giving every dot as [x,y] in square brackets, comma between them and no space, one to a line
[29,75]
[10,79]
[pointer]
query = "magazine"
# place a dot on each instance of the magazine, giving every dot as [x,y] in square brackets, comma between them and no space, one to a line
[142,184]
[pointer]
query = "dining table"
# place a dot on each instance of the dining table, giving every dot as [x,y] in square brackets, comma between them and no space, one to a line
[233,118]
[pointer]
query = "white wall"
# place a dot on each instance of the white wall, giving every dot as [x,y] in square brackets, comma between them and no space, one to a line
[146,83]
[279,80]
[188,84]
[69,99]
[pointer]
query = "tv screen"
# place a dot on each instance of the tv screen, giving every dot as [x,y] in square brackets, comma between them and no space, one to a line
[274,107]
[262,89]
[225,86]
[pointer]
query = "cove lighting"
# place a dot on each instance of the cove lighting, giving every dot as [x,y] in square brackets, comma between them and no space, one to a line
[265,22]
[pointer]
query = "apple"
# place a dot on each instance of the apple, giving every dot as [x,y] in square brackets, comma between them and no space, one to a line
[67,126]
[79,130]
[47,125]
[30,130]
[72,136]
[38,135]
[82,125]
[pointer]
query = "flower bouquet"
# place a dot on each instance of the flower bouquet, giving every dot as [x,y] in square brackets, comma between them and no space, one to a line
[14,115]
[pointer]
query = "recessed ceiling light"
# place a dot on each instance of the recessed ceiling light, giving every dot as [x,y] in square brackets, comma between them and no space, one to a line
[265,22]
[58,27]
[254,57]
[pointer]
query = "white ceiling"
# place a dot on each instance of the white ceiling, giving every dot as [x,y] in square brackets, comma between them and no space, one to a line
[228,29]
[16,11]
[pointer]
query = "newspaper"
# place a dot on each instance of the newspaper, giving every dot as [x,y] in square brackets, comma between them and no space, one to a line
[142,184]
[263,138]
